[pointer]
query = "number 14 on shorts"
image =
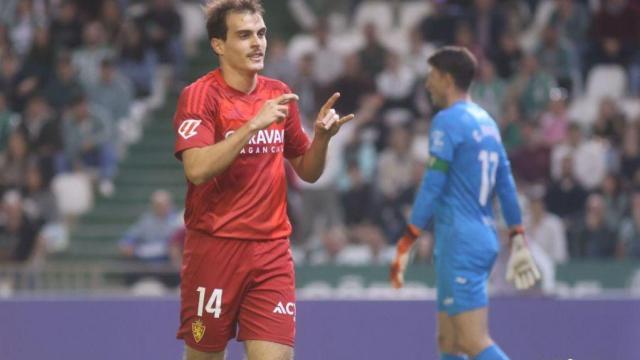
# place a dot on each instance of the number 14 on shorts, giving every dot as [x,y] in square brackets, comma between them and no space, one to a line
[214,305]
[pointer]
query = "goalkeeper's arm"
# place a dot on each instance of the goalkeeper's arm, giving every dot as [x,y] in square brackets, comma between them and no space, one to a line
[521,269]
[432,184]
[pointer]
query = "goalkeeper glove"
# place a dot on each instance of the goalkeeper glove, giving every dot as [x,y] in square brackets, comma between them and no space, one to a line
[399,264]
[521,269]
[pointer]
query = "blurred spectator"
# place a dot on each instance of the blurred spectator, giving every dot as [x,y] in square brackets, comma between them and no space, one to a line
[353,85]
[308,90]
[148,239]
[531,87]
[615,199]
[39,202]
[359,201]
[614,32]
[334,242]
[14,162]
[546,229]
[566,197]
[163,27]
[8,122]
[438,26]
[66,28]
[22,25]
[507,56]
[394,178]
[326,58]
[629,236]
[136,61]
[112,92]
[15,83]
[19,236]
[396,82]
[511,126]
[176,246]
[373,55]
[571,18]
[610,123]
[64,86]
[488,90]
[395,164]
[555,121]
[487,21]
[531,161]
[94,49]
[5,42]
[589,158]
[111,19]
[41,129]
[277,63]
[88,143]
[41,56]
[418,52]
[630,160]
[90,10]
[592,237]
[465,37]
[558,59]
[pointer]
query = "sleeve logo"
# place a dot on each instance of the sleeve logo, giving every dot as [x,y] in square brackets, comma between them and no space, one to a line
[188,128]
[437,140]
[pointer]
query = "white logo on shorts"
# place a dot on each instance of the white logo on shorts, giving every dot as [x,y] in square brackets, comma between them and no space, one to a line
[288,309]
[188,128]
[461,280]
[448,301]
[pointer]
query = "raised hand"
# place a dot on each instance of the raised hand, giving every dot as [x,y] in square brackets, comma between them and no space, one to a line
[274,110]
[328,122]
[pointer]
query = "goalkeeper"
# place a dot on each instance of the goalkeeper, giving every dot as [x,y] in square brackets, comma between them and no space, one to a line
[468,166]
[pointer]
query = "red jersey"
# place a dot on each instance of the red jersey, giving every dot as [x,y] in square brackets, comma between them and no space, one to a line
[248,200]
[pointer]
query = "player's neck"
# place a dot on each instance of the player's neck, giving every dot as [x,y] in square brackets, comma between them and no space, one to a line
[244,82]
[456,96]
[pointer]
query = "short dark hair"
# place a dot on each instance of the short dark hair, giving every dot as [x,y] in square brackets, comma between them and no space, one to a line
[217,11]
[458,62]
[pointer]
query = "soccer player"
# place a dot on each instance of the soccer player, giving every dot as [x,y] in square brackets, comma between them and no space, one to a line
[468,166]
[234,130]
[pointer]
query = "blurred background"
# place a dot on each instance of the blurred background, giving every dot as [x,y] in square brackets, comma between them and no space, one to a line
[91,195]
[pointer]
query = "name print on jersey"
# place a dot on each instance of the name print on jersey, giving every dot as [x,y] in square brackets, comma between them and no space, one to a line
[266,141]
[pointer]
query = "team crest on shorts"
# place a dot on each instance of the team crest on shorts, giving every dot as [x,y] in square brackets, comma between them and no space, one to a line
[197,329]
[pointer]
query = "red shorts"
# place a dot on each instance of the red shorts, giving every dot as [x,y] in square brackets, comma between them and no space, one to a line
[229,284]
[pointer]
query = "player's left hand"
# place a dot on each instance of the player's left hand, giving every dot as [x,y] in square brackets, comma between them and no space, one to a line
[328,122]
[521,269]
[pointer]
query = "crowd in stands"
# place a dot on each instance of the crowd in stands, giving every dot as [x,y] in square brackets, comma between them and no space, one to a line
[77,80]
[560,77]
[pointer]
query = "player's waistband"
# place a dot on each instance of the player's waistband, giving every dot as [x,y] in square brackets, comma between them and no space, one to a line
[199,234]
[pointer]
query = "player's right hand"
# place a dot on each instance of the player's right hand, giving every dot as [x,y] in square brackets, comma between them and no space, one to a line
[399,264]
[274,110]
[521,269]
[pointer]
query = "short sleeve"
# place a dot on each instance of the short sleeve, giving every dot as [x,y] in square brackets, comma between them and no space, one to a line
[296,141]
[442,138]
[193,121]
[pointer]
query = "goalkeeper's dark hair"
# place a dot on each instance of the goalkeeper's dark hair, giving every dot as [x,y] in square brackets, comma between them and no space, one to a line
[458,62]
[217,11]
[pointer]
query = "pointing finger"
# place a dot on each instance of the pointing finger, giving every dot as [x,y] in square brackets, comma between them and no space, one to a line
[329,104]
[285,98]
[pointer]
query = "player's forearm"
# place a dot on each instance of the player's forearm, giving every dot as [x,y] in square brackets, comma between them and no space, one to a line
[312,162]
[508,197]
[432,184]
[202,164]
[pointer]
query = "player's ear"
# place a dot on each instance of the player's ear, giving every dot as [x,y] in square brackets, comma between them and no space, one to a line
[217,45]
